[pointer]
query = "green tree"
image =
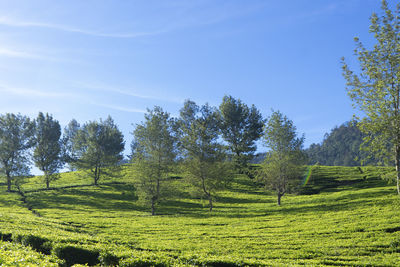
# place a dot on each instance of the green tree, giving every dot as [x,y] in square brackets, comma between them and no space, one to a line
[16,138]
[153,155]
[281,170]
[206,168]
[241,127]
[47,152]
[375,90]
[68,151]
[341,147]
[98,147]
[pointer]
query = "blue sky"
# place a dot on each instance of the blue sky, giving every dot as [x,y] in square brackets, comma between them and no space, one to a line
[89,59]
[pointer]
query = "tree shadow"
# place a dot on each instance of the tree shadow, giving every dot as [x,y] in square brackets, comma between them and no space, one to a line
[74,198]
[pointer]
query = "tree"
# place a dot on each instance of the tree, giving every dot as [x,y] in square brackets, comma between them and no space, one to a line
[16,138]
[281,169]
[341,147]
[153,155]
[47,151]
[241,126]
[98,147]
[68,151]
[375,90]
[204,158]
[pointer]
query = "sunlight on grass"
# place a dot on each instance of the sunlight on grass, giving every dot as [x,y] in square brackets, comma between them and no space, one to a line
[345,224]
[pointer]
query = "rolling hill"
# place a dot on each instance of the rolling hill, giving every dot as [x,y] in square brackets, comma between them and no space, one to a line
[343,216]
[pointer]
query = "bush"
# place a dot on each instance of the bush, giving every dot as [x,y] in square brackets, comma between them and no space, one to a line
[5,237]
[108,259]
[74,255]
[219,263]
[135,262]
[40,244]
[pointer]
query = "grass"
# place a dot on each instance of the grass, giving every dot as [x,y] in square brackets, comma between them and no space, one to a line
[344,217]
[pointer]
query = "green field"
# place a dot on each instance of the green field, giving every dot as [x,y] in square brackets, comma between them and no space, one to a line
[343,217]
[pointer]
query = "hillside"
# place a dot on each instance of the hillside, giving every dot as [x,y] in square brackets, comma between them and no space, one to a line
[344,217]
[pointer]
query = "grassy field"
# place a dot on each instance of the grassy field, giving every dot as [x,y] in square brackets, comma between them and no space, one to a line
[344,217]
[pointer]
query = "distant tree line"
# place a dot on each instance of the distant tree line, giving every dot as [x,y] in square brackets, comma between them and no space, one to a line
[95,147]
[342,147]
[206,145]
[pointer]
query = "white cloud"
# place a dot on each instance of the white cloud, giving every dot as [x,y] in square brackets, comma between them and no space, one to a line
[12,53]
[19,23]
[19,54]
[126,92]
[33,93]
[119,108]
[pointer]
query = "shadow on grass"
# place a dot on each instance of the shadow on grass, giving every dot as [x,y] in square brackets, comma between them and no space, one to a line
[344,204]
[57,188]
[237,200]
[70,198]
[331,183]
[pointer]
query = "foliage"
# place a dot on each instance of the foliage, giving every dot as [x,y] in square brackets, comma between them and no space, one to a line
[204,157]
[76,255]
[353,221]
[47,151]
[37,243]
[12,254]
[376,89]
[154,153]
[69,135]
[98,145]
[241,126]
[341,147]
[16,138]
[282,166]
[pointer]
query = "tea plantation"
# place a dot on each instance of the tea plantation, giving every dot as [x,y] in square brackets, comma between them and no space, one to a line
[344,216]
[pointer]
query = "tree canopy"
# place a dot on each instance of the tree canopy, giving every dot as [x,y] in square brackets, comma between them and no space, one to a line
[98,145]
[68,150]
[47,153]
[341,147]
[241,127]
[204,157]
[153,155]
[16,138]
[375,89]
[281,169]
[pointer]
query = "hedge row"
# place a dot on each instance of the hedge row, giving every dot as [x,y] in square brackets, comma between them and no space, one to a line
[71,254]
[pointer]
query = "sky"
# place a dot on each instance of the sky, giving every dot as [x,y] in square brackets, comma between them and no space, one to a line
[90,59]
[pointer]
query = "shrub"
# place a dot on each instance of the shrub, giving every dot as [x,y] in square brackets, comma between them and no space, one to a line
[220,263]
[75,255]
[5,237]
[135,262]
[40,244]
[108,259]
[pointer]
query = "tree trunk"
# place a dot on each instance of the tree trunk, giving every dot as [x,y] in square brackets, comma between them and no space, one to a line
[279,198]
[398,169]
[47,183]
[8,183]
[208,194]
[95,175]
[153,208]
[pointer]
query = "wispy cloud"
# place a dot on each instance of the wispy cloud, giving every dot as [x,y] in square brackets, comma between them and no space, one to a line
[20,23]
[120,108]
[19,54]
[13,53]
[29,55]
[190,14]
[126,92]
[24,92]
